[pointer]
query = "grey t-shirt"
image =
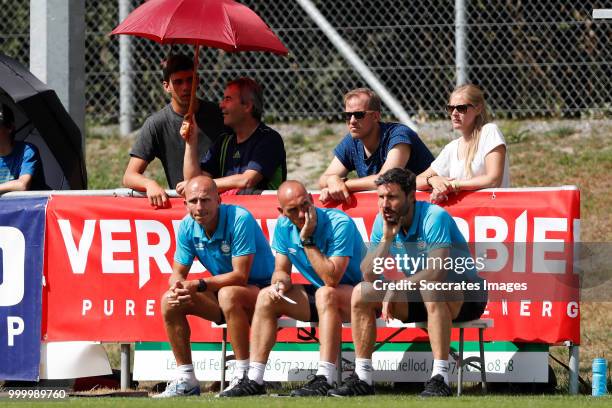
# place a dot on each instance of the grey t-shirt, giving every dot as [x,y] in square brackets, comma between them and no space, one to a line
[160,137]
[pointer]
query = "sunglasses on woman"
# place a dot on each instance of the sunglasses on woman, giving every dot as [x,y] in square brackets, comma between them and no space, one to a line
[460,108]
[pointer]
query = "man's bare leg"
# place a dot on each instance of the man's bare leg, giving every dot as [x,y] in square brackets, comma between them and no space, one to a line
[363,321]
[265,321]
[333,307]
[440,316]
[363,324]
[177,327]
[238,305]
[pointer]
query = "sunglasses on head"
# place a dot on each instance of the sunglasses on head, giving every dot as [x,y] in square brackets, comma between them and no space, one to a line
[460,108]
[358,115]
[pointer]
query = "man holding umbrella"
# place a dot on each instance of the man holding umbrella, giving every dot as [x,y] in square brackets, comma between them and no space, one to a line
[249,158]
[223,24]
[159,136]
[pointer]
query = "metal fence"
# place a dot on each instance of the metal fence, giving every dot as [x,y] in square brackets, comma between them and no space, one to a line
[533,58]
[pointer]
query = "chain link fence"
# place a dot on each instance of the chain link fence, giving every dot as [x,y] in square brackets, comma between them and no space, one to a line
[15,29]
[533,58]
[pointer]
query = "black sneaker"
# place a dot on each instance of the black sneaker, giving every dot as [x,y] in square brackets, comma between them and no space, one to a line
[244,388]
[316,387]
[352,387]
[436,387]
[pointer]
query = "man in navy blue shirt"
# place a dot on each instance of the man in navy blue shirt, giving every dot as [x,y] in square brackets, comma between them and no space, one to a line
[250,158]
[326,248]
[370,148]
[229,243]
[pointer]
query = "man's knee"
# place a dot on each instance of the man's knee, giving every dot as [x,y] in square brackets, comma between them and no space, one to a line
[169,311]
[326,298]
[435,308]
[230,299]
[265,303]
[358,297]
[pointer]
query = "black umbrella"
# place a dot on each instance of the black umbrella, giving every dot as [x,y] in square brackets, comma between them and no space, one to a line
[40,118]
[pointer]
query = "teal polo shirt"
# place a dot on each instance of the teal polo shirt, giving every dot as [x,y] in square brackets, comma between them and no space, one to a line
[432,227]
[237,234]
[335,235]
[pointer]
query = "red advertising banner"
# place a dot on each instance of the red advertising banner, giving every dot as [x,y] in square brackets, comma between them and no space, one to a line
[108,259]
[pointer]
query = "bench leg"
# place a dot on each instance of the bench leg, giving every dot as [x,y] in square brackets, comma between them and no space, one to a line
[460,364]
[574,364]
[339,365]
[223,358]
[483,366]
[125,366]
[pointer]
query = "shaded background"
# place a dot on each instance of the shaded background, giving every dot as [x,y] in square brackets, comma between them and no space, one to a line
[534,58]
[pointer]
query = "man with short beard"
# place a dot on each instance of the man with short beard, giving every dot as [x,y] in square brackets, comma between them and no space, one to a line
[418,229]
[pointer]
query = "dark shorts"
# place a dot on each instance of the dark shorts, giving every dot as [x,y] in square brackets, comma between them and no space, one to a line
[312,303]
[222,319]
[417,312]
[472,308]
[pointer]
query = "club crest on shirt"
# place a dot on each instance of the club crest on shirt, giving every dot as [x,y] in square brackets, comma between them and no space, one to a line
[421,244]
[225,248]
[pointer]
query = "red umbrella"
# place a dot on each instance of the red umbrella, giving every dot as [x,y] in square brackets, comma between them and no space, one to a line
[223,24]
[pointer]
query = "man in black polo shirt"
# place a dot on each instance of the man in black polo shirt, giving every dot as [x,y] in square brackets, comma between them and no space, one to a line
[251,157]
[159,136]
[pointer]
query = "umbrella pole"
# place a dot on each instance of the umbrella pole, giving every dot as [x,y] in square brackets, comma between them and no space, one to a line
[194,82]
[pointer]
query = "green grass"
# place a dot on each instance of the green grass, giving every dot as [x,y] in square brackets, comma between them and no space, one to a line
[560,132]
[327,131]
[296,139]
[386,401]
[107,158]
[513,133]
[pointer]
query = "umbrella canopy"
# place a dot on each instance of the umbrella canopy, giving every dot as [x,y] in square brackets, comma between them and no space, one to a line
[41,119]
[223,24]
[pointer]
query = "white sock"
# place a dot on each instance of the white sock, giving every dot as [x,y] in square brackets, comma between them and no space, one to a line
[440,367]
[364,369]
[185,372]
[256,372]
[241,367]
[328,370]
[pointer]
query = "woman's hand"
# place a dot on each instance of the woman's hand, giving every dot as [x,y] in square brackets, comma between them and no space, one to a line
[442,184]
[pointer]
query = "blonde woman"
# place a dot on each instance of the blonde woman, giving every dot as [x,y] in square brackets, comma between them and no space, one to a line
[478,159]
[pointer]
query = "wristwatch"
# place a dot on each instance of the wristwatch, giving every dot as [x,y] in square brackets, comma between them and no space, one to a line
[308,242]
[202,285]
